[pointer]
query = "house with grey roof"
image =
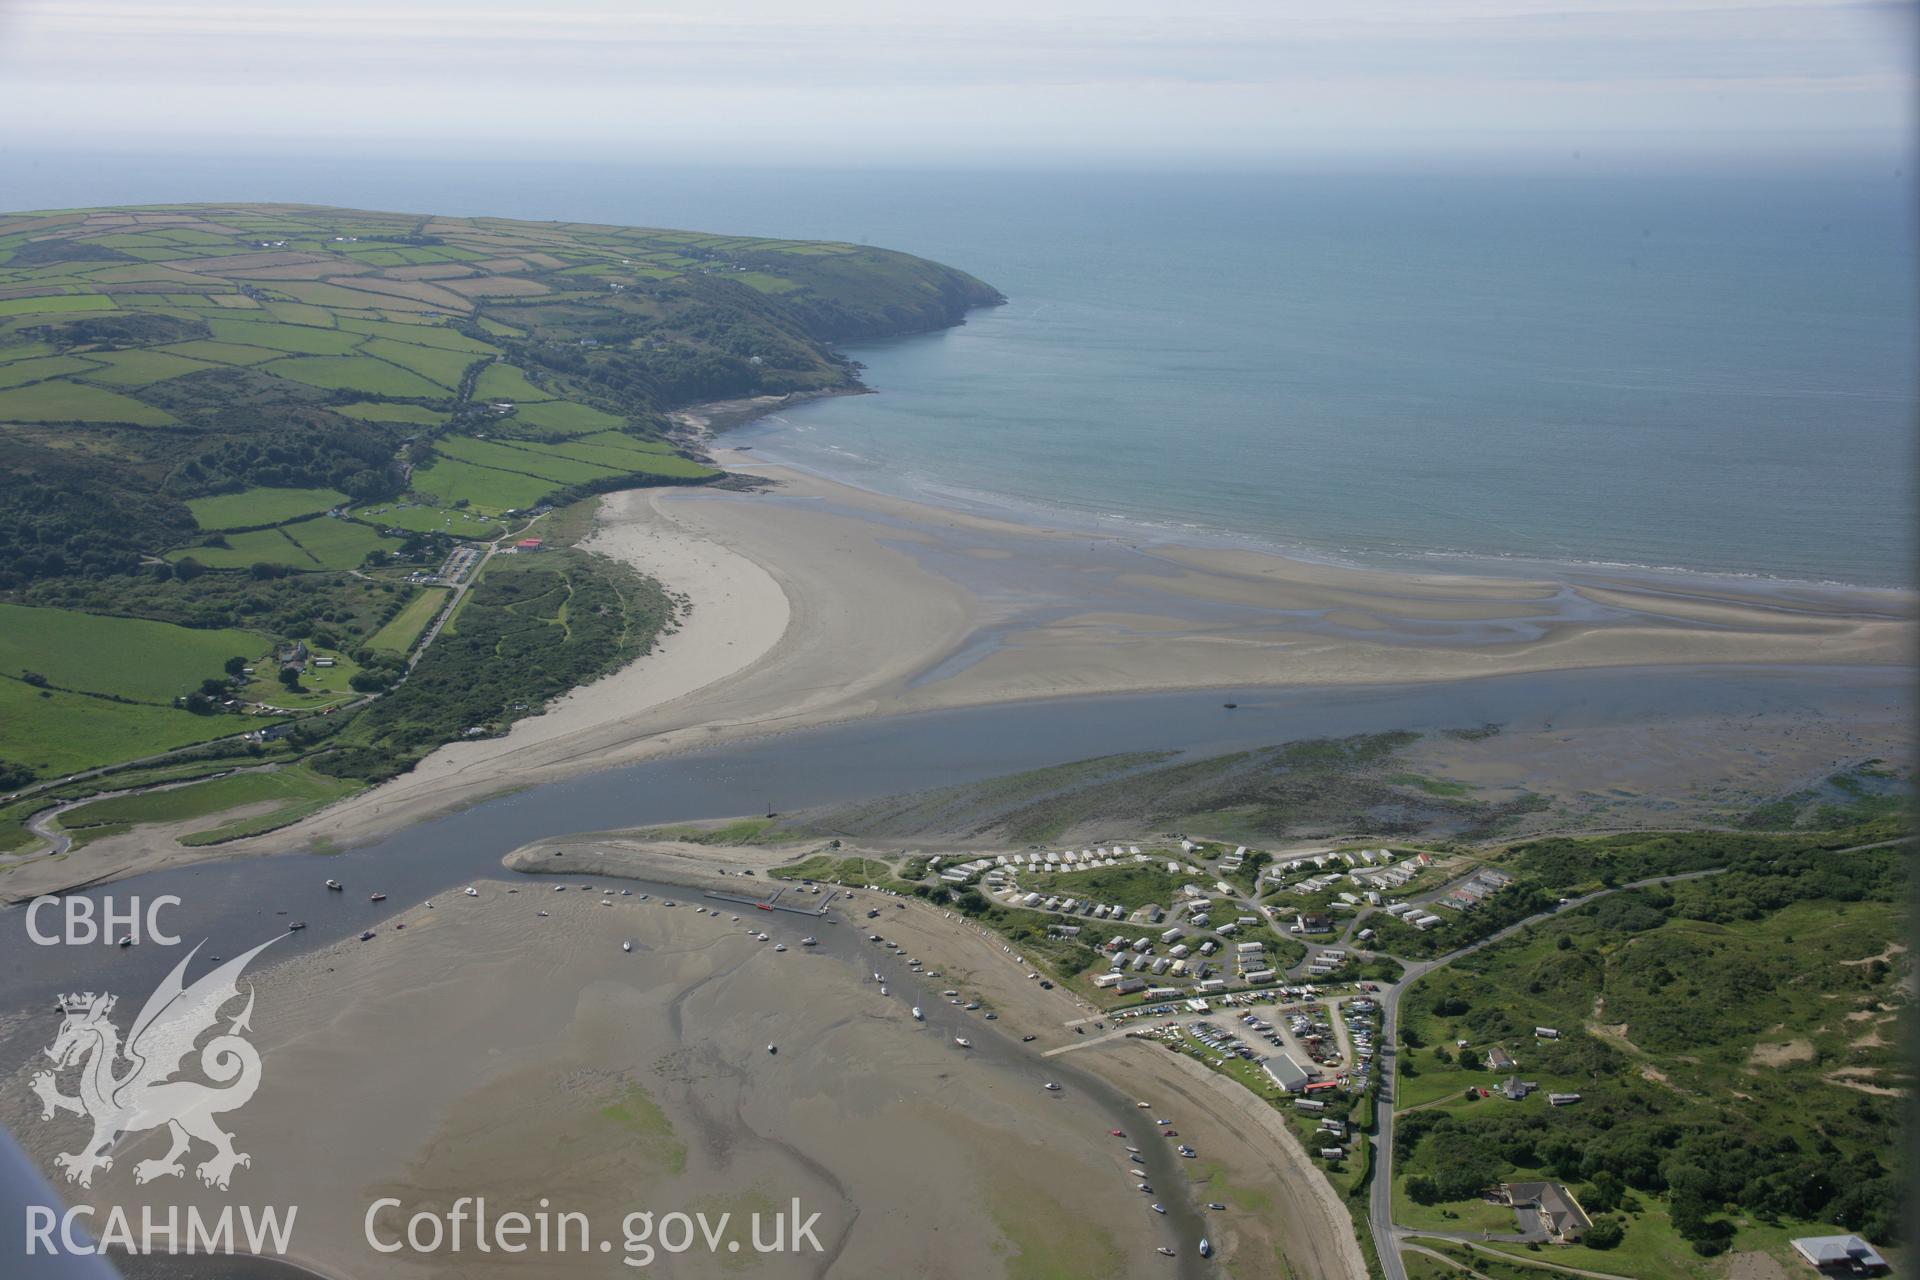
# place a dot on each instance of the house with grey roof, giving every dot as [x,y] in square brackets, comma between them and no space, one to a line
[1547,1211]
[1840,1255]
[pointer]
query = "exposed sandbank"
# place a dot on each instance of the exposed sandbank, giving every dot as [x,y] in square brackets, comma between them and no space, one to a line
[815,602]
[822,602]
[489,1051]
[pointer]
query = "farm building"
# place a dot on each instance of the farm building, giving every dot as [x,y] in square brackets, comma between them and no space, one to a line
[1840,1255]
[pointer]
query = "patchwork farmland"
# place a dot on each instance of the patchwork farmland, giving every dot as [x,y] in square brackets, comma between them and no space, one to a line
[240,446]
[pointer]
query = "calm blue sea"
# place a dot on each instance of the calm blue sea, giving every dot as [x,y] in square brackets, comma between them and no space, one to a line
[1705,372]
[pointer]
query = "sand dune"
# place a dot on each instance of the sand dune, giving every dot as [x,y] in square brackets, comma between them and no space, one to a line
[816,602]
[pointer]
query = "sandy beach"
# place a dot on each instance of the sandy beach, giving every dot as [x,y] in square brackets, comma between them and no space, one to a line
[1283,1216]
[816,602]
[487,1051]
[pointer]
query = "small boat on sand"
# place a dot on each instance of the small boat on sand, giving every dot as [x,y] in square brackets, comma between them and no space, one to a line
[626,946]
[773,1048]
[543,915]
[963,1042]
[781,946]
[1206,1247]
[1052,1087]
[1164,1250]
[471,892]
[883,988]
[917,1015]
[1159,1208]
[809,942]
[367,936]
[333,884]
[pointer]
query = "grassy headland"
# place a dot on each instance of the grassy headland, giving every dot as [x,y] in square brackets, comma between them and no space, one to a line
[249,436]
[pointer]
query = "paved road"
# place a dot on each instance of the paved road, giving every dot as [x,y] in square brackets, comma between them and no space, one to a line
[1386,1236]
[38,823]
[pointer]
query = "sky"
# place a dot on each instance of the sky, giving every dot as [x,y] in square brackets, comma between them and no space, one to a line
[942,82]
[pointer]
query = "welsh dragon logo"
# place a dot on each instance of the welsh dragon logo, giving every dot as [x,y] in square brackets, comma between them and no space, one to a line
[126,1088]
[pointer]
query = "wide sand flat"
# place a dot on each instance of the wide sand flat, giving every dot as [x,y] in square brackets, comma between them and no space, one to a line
[488,1052]
[1284,1218]
[815,602]
[818,602]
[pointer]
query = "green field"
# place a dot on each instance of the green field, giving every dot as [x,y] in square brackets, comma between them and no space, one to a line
[504,382]
[398,635]
[21,372]
[221,352]
[243,550]
[293,791]
[256,507]
[444,367]
[59,401]
[320,543]
[629,455]
[355,373]
[338,544]
[59,302]
[138,368]
[422,335]
[122,657]
[565,417]
[449,480]
[55,733]
[297,339]
[562,463]
[530,460]
[280,395]
[421,519]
